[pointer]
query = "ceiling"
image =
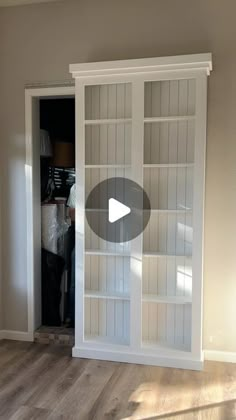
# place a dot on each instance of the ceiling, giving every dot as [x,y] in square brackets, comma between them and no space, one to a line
[5,3]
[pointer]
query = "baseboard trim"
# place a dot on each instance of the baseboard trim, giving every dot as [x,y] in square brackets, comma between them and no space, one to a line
[213,355]
[220,356]
[16,335]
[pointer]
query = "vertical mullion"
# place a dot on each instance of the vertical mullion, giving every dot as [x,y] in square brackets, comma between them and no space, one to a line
[137,243]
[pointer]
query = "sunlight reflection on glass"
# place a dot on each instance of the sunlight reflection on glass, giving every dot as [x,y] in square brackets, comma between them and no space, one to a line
[184,279]
[185,232]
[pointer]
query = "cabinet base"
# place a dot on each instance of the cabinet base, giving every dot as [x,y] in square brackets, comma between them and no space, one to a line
[138,358]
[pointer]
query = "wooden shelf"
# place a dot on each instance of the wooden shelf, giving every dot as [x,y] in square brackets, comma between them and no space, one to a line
[168,165]
[108,253]
[95,294]
[169,118]
[171,211]
[164,346]
[179,211]
[97,210]
[106,340]
[176,300]
[160,255]
[111,166]
[108,121]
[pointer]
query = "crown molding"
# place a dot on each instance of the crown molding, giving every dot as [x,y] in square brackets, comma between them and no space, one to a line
[201,62]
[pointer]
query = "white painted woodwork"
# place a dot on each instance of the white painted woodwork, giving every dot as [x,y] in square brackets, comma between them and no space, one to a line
[145,120]
[7,3]
[33,207]
[32,175]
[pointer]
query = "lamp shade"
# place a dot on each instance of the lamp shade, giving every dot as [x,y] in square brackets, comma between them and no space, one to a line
[63,155]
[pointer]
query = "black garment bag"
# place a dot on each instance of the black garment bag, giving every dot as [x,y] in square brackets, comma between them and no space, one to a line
[52,269]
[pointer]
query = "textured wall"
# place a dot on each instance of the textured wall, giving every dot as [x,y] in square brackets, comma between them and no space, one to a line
[37,44]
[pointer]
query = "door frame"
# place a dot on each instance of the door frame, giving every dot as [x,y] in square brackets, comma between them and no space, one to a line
[33,234]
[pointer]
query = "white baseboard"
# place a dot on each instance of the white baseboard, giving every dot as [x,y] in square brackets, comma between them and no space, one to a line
[16,335]
[220,356]
[213,355]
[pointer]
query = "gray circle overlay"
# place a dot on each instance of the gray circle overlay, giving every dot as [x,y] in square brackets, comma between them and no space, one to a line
[128,193]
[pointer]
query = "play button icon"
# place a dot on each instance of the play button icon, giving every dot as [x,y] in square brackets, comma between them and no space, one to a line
[117,209]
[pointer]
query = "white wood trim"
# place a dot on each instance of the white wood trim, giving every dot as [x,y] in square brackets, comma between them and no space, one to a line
[7,3]
[138,358]
[50,91]
[107,166]
[108,121]
[145,76]
[136,243]
[168,165]
[198,214]
[167,211]
[168,119]
[16,335]
[160,255]
[29,208]
[30,95]
[80,213]
[220,356]
[105,295]
[178,300]
[110,253]
[117,345]
[179,62]
[33,230]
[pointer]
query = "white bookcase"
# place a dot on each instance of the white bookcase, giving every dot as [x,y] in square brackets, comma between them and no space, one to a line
[141,301]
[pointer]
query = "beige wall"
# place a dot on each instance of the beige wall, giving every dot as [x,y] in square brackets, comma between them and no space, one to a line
[1,180]
[38,42]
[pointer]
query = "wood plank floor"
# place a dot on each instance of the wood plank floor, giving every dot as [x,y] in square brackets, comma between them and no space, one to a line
[41,382]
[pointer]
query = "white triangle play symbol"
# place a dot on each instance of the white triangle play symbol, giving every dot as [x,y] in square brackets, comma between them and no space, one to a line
[117,210]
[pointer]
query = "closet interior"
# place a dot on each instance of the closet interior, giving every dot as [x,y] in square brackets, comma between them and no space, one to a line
[57,175]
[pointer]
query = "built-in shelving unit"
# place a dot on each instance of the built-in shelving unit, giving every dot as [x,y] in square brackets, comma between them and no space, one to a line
[141,301]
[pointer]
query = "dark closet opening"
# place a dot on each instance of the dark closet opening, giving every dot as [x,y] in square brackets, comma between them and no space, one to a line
[57,175]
